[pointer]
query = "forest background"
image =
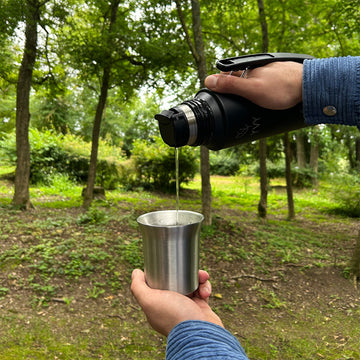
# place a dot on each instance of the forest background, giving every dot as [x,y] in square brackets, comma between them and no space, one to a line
[80,83]
[101,70]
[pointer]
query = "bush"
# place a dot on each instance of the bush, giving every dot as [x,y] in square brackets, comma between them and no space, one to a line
[153,164]
[127,175]
[301,177]
[273,170]
[347,194]
[93,215]
[53,154]
[223,163]
[107,175]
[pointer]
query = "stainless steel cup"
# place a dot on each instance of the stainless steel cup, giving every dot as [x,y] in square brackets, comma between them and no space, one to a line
[171,249]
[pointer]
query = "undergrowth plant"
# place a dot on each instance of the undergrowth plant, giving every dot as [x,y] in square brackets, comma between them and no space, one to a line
[93,215]
[68,155]
[346,193]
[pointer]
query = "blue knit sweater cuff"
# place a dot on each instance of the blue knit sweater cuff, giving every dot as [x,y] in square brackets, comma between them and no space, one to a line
[202,340]
[331,91]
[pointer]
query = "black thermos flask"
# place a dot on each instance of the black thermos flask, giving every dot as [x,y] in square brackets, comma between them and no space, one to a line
[219,121]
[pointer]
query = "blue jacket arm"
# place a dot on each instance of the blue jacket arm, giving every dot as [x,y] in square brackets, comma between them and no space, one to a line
[331,91]
[198,340]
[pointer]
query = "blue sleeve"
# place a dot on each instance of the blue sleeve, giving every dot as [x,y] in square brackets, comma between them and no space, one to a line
[331,91]
[198,340]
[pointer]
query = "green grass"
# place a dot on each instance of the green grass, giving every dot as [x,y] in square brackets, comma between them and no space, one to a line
[83,260]
[328,336]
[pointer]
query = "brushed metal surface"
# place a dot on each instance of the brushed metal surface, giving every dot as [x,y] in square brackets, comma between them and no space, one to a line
[171,249]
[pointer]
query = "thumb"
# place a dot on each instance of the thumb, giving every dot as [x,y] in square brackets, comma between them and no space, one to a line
[139,287]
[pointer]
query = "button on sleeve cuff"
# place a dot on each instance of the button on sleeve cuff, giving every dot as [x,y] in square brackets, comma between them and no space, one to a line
[331,91]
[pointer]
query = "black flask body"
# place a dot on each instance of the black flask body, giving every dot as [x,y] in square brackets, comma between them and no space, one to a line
[236,120]
[219,121]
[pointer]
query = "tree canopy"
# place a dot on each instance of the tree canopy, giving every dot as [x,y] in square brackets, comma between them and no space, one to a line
[149,62]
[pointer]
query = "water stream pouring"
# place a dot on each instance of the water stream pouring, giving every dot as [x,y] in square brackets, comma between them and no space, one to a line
[219,121]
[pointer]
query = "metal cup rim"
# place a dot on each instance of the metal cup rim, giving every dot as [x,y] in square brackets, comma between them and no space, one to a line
[200,217]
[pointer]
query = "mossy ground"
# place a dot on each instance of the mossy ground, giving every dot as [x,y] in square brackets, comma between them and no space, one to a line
[282,287]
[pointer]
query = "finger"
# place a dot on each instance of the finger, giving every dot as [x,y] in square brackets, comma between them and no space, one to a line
[238,73]
[139,287]
[137,276]
[232,73]
[203,276]
[204,291]
[234,85]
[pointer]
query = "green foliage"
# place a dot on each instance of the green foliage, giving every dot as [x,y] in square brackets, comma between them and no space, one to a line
[54,112]
[223,163]
[47,259]
[3,291]
[127,175]
[95,292]
[93,215]
[346,193]
[137,121]
[60,184]
[107,175]
[273,170]
[53,154]
[153,164]
[273,302]
[51,159]
[131,252]
[7,104]
[301,177]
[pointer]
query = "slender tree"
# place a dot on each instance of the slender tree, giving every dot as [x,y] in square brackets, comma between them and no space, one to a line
[198,52]
[262,206]
[289,189]
[355,261]
[300,148]
[314,154]
[357,152]
[105,84]
[202,73]
[22,174]
[100,40]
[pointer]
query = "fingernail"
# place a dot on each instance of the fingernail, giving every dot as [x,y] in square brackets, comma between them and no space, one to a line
[211,81]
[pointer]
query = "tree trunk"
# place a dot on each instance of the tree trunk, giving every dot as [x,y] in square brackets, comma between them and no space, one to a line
[357,152]
[262,206]
[198,53]
[314,156]
[199,43]
[205,185]
[89,192]
[264,28]
[351,147]
[355,261]
[22,175]
[300,149]
[202,73]
[289,189]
